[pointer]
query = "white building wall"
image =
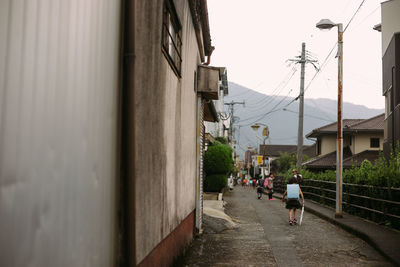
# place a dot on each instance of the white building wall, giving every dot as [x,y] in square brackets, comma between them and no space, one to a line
[59,64]
[328,144]
[363,142]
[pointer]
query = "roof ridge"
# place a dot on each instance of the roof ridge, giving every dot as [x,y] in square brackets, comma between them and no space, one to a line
[366,120]
[318,157]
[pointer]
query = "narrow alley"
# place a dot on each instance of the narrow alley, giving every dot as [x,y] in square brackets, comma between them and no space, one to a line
[263,237]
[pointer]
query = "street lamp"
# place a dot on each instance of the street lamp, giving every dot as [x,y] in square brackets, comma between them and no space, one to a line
[265,133]
[326,24]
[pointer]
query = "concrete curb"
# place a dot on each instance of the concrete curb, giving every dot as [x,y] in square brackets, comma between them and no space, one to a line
[386,241]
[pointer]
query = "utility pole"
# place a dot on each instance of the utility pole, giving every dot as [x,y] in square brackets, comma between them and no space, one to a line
[231,111]
[301,107]
[303,60]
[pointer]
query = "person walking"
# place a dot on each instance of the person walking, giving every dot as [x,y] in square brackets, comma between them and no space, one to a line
[260,186]
[298,176]
[270,185]
[293,192]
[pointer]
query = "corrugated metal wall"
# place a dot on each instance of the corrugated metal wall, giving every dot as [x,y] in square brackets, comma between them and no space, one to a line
[58,131]
[200,157]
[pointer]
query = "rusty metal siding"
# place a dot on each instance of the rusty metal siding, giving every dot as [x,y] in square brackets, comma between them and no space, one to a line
[58,132]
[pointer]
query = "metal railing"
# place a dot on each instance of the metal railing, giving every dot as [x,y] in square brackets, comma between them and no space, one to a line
[379,204]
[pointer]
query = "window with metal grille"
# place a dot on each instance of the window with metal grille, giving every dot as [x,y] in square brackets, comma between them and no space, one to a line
[171,37]
[374,142]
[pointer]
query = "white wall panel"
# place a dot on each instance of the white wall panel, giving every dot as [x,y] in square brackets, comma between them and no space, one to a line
[58,131]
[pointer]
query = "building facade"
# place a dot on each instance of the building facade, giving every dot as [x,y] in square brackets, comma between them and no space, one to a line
[390,28]
[362,139]
[102,116]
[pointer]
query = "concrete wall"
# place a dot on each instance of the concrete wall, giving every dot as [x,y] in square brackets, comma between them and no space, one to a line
[362,142]
[59,64]
[166,128]
[328,144]
[390,11]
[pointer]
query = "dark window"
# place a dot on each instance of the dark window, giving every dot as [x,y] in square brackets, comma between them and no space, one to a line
[318,147]
[374,142]
[171,36]
[350,140]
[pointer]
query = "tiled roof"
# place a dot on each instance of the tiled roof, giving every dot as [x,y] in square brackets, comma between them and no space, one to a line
[357,159]
[328,161]
[277,150]
[374,124]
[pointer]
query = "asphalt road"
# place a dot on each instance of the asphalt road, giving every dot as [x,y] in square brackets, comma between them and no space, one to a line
[263,237]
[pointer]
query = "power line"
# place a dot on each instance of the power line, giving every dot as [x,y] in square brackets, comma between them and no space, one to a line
[330,52]
[246,92]
[355,13]
[282,84]
[366,17]
[321,68]
[308,115]
[269,112]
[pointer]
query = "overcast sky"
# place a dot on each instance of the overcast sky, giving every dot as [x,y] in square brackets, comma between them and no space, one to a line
[255,38]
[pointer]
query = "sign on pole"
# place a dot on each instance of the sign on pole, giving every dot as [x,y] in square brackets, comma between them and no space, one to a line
[260,160]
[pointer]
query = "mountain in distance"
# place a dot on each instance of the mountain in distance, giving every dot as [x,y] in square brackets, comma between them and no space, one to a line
[283,121]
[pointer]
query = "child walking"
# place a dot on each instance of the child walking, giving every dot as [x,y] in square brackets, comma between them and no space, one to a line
[293,192]
[270,186]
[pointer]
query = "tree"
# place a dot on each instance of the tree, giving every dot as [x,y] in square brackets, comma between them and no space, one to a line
[285,162]
[218,163]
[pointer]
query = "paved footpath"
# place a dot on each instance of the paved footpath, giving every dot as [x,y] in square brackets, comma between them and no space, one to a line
[263,237]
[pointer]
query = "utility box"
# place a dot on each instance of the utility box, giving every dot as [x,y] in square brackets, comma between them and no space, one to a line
[208,81]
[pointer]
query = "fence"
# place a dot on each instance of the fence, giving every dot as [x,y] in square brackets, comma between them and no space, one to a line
[378,204]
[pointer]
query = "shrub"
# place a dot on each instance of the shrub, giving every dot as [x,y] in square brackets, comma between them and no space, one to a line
[222,140]
[218,159]
[215,182]
[383,173]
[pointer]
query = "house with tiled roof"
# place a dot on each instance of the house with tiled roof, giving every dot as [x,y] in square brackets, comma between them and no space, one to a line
[362,139]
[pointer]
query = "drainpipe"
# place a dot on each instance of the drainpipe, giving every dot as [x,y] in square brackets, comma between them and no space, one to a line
[209,56]
[392,107]
[126,255]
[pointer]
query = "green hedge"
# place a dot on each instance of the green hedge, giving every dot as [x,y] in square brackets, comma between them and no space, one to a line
[215,182]
[380,174]
[218,159]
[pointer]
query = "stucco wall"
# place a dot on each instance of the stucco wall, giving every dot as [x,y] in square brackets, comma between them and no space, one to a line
[166,128]
[328,144]
[59,64]
[362,142]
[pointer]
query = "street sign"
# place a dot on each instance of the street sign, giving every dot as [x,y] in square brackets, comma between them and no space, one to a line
[265,132]
[260,160]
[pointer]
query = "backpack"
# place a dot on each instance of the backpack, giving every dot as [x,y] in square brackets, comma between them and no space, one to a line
[292,191]
[265,182]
